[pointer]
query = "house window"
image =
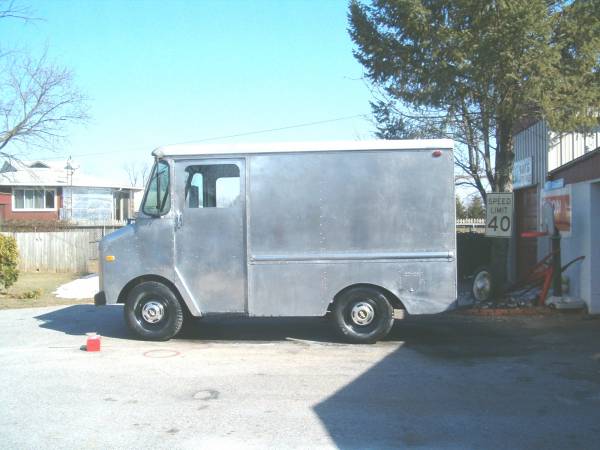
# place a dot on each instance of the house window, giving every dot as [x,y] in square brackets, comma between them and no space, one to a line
[34,199]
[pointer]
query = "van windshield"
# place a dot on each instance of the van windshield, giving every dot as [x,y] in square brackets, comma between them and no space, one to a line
[157,200]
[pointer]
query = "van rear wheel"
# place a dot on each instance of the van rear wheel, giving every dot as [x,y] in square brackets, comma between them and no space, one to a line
[483,285]
[363,315]
[153,312]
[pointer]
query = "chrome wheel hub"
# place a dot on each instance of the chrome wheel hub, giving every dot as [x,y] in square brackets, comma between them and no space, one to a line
[153,311]
[362,313]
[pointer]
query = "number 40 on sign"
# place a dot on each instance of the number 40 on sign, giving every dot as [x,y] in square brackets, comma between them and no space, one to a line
[499,214]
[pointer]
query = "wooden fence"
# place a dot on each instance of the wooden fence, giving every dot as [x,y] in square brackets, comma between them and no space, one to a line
[70,250]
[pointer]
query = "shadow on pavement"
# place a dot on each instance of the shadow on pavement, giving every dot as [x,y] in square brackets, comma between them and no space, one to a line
[259,329]
[108,321]
[444,336]
[455,382]
[81,319]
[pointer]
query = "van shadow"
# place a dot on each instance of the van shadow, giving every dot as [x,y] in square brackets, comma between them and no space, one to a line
[446,336]
[259,329]
[80,319]
[108,322]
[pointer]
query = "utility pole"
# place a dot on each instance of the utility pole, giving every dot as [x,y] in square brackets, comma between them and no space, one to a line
[70,170]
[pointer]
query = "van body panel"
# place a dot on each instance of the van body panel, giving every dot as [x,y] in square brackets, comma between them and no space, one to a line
[307,288]
[351,202]
[320,222]
[144,248]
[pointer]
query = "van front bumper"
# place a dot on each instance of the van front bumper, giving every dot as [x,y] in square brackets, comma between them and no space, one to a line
[100,299]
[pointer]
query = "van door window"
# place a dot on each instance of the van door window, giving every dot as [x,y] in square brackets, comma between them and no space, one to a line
[212,186]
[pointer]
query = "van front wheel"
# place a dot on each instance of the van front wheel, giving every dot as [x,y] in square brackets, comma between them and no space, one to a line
[363,315]
[153,312]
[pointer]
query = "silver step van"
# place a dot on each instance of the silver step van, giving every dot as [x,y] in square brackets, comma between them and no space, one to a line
[355,230]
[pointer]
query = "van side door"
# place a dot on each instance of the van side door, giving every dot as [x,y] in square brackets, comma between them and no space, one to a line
[210,242]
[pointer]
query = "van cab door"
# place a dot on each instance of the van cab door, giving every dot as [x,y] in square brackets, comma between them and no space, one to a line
[210,250]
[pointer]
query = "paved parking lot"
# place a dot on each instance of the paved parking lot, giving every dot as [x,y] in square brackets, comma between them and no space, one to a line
[438,382]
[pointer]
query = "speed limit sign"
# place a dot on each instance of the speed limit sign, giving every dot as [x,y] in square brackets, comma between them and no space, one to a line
[499,214]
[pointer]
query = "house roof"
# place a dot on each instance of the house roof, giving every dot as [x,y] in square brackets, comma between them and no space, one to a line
[292,147]
[50,174]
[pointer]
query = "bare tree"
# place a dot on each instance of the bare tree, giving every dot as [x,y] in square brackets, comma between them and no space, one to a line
[137,173]
[10,9]
[38,99]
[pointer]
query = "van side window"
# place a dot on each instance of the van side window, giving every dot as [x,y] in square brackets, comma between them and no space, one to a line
[212,185]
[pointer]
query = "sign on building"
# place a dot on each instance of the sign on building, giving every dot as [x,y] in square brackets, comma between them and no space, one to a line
[560,199]
[499,214]
[522,173]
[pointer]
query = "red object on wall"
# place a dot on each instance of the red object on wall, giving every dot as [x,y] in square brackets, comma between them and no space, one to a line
[533,234]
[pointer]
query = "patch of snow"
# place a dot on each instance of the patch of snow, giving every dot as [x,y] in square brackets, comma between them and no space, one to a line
[85,287]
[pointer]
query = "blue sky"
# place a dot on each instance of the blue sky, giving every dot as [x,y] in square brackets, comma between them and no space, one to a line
[159,72]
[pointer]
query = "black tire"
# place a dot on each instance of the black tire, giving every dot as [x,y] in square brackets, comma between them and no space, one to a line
[362,300]
[483,285]
[149,300]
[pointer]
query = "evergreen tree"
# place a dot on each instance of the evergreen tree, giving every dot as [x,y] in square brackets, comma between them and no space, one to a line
[461,211]
[476,209]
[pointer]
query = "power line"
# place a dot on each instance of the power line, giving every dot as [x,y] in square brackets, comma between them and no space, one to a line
[227,136]
[270,130]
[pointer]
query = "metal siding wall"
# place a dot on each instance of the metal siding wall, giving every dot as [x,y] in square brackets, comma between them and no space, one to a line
[568,146]
[533,142]
[594,259]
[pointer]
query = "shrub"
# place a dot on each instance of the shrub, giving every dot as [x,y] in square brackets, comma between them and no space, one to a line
[9,257]
[31,295]
[34,225]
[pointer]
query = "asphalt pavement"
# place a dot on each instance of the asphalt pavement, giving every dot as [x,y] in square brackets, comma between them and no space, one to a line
[447,381]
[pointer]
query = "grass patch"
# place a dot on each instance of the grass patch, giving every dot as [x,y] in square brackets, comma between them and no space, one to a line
[35,289]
